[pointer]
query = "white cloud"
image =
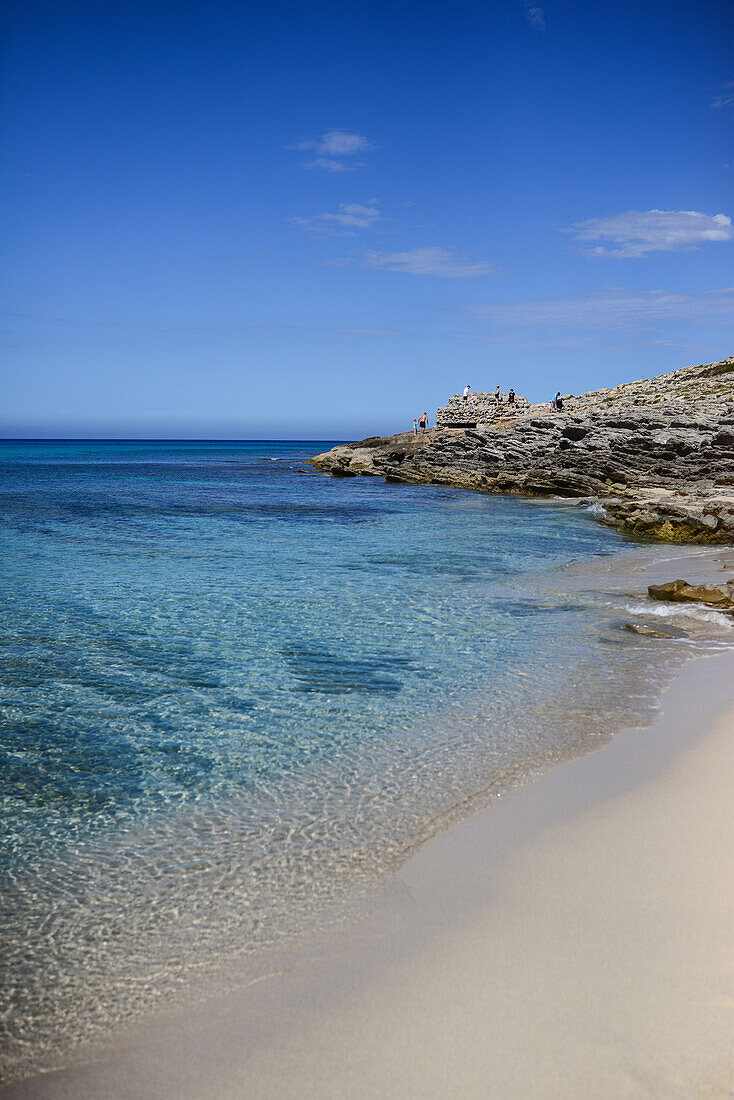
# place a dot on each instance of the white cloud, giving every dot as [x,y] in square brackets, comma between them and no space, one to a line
[335,150]
[341,143]
[534,15]
[615,309]
[725,98]
[351,218]
[441,262]
[639,232]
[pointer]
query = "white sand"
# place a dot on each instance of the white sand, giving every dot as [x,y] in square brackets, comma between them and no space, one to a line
[574,941]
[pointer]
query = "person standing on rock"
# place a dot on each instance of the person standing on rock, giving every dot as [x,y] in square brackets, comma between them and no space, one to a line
[467,391]
[558,402]
[511,397]
[423,422]
[415,426]
[497,396]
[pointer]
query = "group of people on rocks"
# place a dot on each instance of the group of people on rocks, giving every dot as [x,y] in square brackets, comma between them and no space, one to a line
[556,405]
[420,424]
[468,397]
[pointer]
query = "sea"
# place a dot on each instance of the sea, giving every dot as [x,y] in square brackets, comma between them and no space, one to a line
[235,694]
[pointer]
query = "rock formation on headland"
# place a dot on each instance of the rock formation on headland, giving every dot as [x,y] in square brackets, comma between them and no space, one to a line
[480,408]
[658,454]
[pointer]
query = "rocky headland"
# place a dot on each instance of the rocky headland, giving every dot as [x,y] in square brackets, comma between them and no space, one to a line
[656,455]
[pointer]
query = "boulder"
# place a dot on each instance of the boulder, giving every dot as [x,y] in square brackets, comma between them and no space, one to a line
[720,596]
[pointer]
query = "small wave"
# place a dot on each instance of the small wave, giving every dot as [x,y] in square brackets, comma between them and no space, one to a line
[676,610]
[596,509]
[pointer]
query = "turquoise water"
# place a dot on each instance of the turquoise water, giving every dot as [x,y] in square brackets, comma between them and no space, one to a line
[232,688]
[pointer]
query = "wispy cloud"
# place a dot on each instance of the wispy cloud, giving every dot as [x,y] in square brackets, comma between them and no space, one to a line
[615,309]
[335,150]
[726,97]
[534,14]
[444,263]
[638,233]
[351,218]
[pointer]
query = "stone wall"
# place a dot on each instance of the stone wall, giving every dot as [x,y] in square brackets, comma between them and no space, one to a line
[481,408]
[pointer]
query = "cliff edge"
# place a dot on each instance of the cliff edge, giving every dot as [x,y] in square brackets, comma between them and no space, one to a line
[656,454]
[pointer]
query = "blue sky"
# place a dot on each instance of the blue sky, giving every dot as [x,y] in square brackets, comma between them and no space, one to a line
[319,219]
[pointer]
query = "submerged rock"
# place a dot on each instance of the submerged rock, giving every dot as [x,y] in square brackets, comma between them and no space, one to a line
[655,631]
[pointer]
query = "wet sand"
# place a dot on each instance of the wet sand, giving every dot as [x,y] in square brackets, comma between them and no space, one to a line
[574,940]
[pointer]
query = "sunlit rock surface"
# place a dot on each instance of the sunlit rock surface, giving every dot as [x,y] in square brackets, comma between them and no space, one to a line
[657,455]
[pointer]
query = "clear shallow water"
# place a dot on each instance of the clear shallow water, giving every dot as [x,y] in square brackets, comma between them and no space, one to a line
[233,691]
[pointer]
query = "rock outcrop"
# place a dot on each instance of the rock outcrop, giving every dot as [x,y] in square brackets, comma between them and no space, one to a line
[719,596]
[657,455]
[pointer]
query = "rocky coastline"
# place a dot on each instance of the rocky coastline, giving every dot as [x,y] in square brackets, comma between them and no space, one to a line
[655,455]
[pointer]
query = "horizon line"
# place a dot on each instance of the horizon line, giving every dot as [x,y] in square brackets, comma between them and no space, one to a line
[160,439]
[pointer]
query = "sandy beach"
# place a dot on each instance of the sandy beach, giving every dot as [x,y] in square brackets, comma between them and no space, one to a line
[575,939]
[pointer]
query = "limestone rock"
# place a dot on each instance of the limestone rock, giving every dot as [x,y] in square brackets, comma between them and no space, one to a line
[658,454]
[713,595]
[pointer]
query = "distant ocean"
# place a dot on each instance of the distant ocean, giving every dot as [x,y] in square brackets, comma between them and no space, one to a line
[235,692]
